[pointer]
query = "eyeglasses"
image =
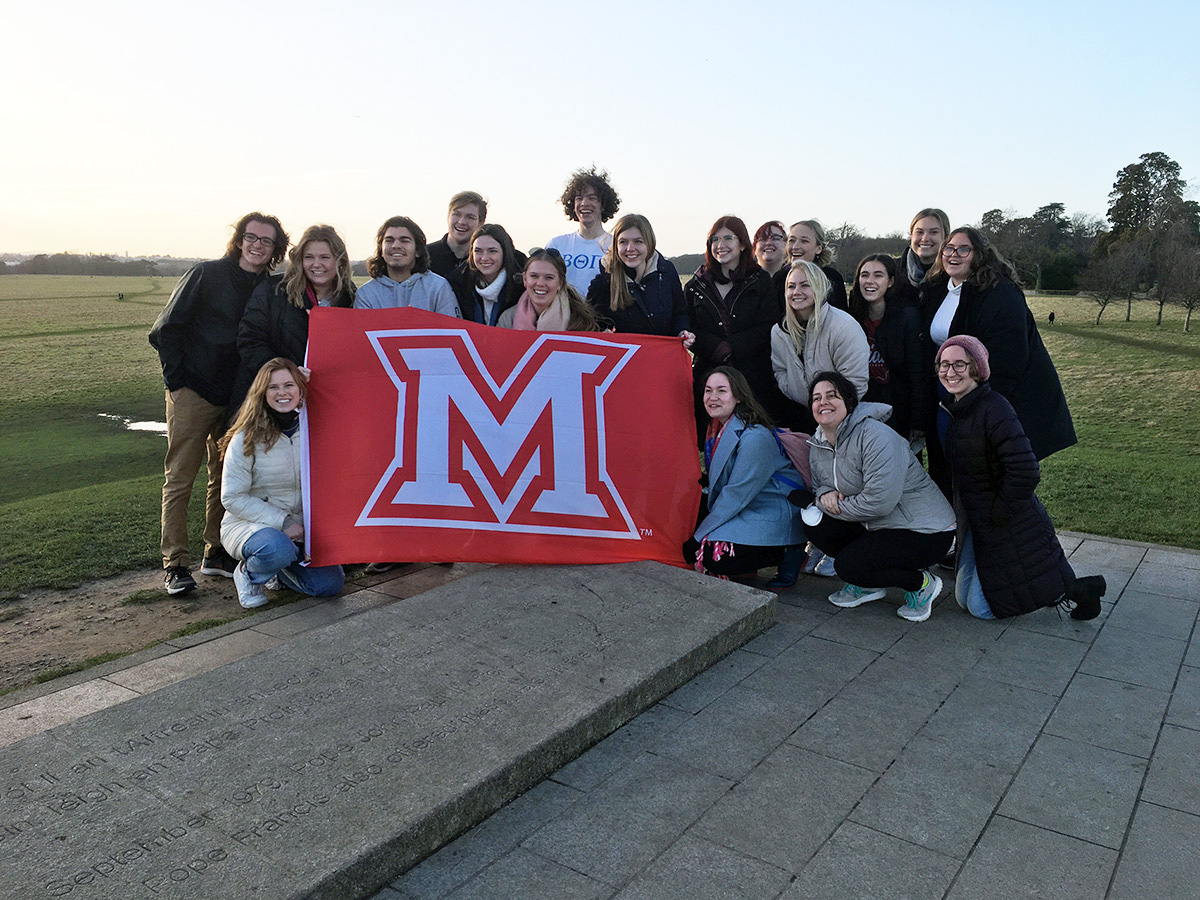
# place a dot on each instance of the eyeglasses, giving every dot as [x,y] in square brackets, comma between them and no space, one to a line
[958,365]
[772,238]
[253,239]
[951,250]
[723,239]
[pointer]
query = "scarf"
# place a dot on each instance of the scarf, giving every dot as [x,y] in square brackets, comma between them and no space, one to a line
[556,317]
[287,421]
[916,271]
[489,294]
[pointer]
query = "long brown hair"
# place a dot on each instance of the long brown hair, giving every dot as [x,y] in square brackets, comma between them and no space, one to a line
[988,266]
[748,409]
[746,262]
[618,293]
[253,418]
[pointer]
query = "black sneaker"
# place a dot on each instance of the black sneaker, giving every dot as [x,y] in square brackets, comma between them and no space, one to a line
[178,580]
[218,563]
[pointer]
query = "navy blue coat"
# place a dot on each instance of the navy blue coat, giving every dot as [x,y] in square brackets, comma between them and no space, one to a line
[994,473]
[658,306]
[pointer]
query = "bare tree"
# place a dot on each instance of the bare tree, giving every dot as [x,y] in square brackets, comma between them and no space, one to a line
[1117,273]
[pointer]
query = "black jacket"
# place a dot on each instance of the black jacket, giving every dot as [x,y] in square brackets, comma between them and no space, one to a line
[462,281]
[658,305]
[898,341]
[196,333]
[271,326]
[745,329]
[442,260]
[1021,369]
[994,473]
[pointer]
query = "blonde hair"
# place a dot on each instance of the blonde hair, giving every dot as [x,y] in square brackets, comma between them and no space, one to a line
[619,296]
[819,282]
[825,257]
[252,417]
[295,283]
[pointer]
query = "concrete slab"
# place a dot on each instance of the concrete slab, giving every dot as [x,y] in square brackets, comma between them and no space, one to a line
[1167,581]
[1174,778]
[860,862]
[1111,714]
[1032,660]
[159,673]
[1014,861]
[1171,556]
[1135,657]
[1167,617]
[43,713]
[701,870]
[1076,789]
[1185,700]
[629,820]
[1160,858]
[1094,554]
[323,767]
[786,808]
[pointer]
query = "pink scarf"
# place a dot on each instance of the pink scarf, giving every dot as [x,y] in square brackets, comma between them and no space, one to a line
[556,317]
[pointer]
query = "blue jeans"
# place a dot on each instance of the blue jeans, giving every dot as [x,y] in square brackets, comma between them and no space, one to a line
[967,590]
[269,552]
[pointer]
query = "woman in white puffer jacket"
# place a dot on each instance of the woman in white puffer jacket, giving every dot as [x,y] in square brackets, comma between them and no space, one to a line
[260,489]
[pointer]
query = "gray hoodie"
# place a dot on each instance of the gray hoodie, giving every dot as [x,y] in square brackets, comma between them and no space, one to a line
[873,468]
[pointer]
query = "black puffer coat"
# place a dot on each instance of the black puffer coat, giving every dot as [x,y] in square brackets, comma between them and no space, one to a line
[994,472]
[1021,368]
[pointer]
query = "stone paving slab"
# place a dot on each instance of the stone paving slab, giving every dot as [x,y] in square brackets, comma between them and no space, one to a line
[318,767]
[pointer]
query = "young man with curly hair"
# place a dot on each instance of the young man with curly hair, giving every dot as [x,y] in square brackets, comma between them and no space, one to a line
[590,200]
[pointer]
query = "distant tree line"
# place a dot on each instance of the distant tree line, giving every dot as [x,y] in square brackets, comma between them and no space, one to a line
[80,264]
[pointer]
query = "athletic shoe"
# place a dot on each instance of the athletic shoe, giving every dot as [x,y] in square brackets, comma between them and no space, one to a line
[825,567]
[810,562]
[378,568]
[852,595]
[250,595]
[218,563]
[273,584]
[178,580]
[918,604]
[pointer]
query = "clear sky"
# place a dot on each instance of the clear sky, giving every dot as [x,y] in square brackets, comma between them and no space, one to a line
[149,127]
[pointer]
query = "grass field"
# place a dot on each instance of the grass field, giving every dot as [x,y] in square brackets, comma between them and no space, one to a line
[79,494]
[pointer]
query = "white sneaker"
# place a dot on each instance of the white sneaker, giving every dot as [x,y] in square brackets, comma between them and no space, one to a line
[250,595]
[825,568]
[918,604]
[852,595]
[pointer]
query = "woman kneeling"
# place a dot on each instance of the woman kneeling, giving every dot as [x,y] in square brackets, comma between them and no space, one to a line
[749,520]
[260,489]
[1009,559]
[884,520]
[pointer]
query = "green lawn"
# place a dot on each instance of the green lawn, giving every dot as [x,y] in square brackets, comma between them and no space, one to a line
[79,495]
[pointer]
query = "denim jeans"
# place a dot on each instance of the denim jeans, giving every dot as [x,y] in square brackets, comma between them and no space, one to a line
[270,552]
[967,590]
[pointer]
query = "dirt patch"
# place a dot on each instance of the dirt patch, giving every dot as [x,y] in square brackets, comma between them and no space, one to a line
[46,630]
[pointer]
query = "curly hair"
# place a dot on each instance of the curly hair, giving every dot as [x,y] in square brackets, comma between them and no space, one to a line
[234,248]
[610,201]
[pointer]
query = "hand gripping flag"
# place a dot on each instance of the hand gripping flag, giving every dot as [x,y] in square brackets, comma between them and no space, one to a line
[434,439]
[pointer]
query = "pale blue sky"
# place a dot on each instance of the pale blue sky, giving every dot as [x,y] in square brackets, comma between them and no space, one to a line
[149,126]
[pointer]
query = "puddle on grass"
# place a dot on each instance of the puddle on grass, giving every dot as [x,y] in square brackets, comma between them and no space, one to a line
[130,425]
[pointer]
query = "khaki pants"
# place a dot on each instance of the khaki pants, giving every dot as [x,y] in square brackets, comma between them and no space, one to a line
[193,427]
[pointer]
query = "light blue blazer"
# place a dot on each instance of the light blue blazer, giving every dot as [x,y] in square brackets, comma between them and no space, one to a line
[747,504]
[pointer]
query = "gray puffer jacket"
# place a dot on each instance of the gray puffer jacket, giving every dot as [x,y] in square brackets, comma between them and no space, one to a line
[873,468]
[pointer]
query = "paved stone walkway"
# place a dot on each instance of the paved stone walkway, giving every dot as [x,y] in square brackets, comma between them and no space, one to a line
[851,754]
[842,754]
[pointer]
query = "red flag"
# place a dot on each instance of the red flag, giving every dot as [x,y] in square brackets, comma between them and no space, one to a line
[434,439]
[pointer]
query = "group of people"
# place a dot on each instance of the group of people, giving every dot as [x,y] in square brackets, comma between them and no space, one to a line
[813,406]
